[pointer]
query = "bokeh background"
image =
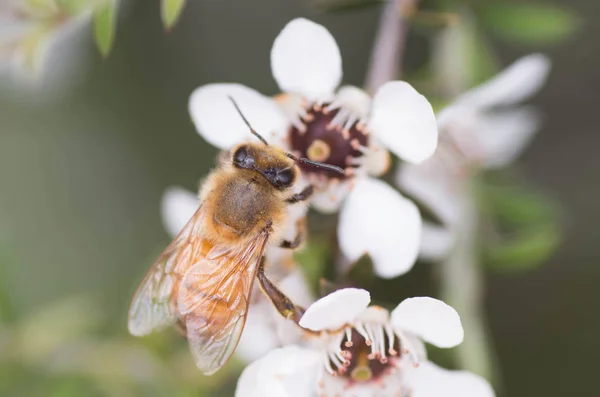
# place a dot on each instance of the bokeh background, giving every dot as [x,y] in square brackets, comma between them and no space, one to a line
[82,174]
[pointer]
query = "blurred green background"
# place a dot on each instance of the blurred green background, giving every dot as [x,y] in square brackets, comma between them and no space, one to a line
[81,177]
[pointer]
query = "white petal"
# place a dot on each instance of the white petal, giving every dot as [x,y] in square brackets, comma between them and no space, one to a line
[377,160]
[432,320]
[177,207]
[436,242]
[287,372]
[305,59]
[514,84]
[354,99]
[429,380]
[374,314]
[328,198]
[294,285]
[378,221]
[217,120]
[259,336]
[431,184]
[335,310]
[403,120]
[504,135]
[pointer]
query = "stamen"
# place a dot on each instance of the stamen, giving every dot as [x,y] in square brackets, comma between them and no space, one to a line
[391,339]
[308,118]
[350,122]
[348,337]
[361,330]
[409,349]
[328,367]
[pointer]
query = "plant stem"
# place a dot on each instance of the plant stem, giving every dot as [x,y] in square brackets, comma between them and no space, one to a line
[462,288]
[385,63]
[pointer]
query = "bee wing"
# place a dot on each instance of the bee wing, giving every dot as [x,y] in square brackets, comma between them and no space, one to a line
[214,297]
[153,305]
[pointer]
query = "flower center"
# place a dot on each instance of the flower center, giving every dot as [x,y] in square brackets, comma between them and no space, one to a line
[368,352]
[333,136]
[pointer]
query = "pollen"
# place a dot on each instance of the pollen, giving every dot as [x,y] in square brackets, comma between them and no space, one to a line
[319,150]
[332,135]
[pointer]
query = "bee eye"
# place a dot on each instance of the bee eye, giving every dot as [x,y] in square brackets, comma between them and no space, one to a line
[285,177]
[242,158]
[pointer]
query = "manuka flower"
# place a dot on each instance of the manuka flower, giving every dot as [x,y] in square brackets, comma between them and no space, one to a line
[41,42]
[483,128]
[357,350]
[346,128]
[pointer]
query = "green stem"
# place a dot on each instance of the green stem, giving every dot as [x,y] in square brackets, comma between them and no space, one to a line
[462,287]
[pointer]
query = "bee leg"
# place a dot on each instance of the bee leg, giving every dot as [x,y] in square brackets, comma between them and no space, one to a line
[303,195]
[282,303]
[292,244]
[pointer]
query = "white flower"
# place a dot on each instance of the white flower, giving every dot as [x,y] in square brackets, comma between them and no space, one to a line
[365,351]
[43,43]
[265,328]
[345,128]
[482,128]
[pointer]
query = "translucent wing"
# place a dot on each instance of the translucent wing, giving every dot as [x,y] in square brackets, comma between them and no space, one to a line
[154,305]
[214,297]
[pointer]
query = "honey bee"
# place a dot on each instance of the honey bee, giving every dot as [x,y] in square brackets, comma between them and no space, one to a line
[203,280]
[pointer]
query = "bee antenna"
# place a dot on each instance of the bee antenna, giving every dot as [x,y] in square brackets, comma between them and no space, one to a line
[252,130]
[317,164]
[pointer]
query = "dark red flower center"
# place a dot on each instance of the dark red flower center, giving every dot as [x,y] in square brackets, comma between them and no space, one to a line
[329,139]
[363,363]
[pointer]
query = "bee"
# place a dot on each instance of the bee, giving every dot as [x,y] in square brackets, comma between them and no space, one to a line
[203,280]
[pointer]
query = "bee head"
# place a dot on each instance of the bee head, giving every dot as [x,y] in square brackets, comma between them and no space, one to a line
[278,169]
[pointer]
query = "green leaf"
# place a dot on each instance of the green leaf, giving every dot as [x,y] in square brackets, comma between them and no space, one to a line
[105,25]
[314,259]
[170,12]
[343,5]
[524,229]
[531,23]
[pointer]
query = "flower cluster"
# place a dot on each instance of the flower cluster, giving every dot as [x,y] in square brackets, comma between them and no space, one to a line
[42,42]
[481,129]
[342,346]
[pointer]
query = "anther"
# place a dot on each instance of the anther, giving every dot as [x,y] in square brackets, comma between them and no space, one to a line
[308,118]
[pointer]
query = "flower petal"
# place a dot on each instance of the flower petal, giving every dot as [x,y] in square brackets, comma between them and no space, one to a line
[336,309]
[259,336]
[177,208]
[377,160]
[429,380]
[217,120]
[329,197]
[431,319]
[433,185]
[404,121]
[305,59]
[504,135]
[353,99]
[514,84]
[436,242]
[378,221]
[287,372]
